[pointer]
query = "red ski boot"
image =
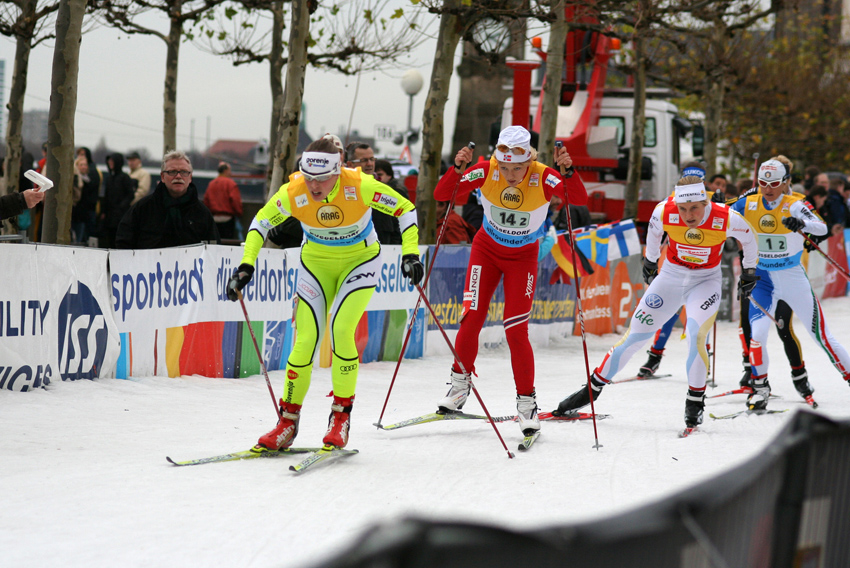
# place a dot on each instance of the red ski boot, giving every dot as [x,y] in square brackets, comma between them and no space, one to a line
[284,433]
[338,422]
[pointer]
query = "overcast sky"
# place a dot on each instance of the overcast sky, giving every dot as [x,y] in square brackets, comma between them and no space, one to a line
[121,86]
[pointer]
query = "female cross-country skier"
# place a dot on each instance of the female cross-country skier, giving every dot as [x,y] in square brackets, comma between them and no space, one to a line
[339,269]
[515,191]
[697,230]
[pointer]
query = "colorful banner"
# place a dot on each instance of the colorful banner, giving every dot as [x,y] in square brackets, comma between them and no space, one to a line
[836,284]
[55,317]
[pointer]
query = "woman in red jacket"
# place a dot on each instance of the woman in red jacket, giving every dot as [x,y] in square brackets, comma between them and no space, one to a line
[515,192]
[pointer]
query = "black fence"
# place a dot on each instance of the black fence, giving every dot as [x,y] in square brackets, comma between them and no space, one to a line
[787,507]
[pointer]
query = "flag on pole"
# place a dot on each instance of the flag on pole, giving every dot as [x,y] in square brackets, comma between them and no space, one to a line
[623,239]
[563,255]
[593,242]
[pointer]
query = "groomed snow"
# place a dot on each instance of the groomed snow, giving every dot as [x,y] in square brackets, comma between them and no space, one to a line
[84,481]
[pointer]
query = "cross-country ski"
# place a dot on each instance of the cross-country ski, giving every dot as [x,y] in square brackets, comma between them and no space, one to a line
[747,413]
[255,452]
[321,456]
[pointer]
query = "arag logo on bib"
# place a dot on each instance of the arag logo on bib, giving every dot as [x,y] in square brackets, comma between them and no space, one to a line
[768,224]
[511,198]
[694,236]
[329,216]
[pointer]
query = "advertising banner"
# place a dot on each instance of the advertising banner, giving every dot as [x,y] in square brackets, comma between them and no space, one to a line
[55,316]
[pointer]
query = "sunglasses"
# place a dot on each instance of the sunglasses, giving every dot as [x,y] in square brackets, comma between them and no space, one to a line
[771,184]
[516,150]
[318,177]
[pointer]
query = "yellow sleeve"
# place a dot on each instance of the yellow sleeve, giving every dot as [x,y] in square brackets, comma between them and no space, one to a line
[385,199]
[269,216]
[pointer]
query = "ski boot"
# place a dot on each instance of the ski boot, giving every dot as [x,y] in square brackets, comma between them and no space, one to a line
[651,366]
[694,406]
[581,397]
[526,409]
[747,379]
[801,383]
[339,422]
[758,399]
[457,395]
[284,433]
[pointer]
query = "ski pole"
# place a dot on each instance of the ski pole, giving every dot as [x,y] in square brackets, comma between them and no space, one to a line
[471,146]
[577,282]
[462,368]
[780,324]
[828,258]
[259,355]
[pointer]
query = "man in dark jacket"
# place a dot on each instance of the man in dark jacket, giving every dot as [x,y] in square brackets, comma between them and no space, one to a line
[172,215]
[118,192]
[16,203]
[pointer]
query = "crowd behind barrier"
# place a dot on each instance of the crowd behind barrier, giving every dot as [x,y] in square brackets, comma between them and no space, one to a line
[74,313]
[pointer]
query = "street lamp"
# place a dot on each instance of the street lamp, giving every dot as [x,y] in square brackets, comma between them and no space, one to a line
[412,83]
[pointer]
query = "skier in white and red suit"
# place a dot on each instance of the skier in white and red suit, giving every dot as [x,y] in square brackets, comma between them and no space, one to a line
[515,192]
[690,276]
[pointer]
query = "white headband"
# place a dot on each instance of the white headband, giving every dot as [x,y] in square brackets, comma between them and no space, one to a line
[689,193]
[317,163]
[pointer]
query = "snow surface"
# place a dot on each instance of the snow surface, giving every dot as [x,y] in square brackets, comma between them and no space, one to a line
[84,481]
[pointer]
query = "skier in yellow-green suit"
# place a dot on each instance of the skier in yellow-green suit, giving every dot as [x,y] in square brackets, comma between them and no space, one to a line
[340,264]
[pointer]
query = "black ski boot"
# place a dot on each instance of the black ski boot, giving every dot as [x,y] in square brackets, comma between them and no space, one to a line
[747,379]
[758,400]
[694,406]
[651,366]
[801,383]
[580,398]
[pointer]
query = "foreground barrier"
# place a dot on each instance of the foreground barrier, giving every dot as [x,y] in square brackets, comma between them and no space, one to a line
[784,508]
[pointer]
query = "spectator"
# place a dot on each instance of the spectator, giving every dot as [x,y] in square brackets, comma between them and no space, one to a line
[16,203]
[822,180]
[718,184]
[172,215]
[473,211]
[90,197]
[140,176]
[744,185]
[87,183]
[42,163]
[835,207]
[732,191]
[809,176]
[361,155]
[117,195]
[457,230]
[223,199]
[385,225]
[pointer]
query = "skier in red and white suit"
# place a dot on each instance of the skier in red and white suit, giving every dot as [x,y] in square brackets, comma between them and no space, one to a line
[515,192]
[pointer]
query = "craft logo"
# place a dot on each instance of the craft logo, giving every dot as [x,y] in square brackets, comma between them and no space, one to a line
[510,198]
[329,216]
[694,236]
[654,301]
[82,334]
[768,224]
[710,302]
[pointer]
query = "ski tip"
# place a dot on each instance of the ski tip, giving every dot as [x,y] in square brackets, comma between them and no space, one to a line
[687,432]
[171,461]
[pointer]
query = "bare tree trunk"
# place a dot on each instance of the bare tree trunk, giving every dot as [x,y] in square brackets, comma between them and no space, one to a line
[713,118]
[432,123]
[552,85]
[275,80]
[56,227]
[14,142]
[169,96]
[632,195]
[290,114]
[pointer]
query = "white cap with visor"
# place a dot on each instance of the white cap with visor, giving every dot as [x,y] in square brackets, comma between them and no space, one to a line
[318,165]
[513,139]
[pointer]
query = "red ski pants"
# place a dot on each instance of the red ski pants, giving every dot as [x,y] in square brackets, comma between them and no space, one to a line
[488,262]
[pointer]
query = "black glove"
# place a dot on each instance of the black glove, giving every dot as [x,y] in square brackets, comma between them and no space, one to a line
[412,267]
[718,197]
[793,224]
[239,280]
[747,283]
[650,271]
[812,242]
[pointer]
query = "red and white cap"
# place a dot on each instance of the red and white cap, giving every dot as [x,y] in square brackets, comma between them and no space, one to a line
[514,137]
[772,170]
